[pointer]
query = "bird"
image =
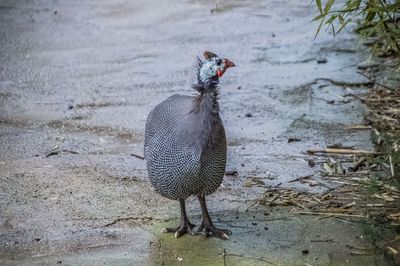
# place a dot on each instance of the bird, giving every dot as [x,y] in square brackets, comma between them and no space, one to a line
[185,145]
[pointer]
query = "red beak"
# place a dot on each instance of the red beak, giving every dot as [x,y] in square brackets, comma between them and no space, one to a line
[227,64]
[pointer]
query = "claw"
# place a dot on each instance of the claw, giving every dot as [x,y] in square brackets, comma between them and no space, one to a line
[211,230]
[184,228]
[224,236]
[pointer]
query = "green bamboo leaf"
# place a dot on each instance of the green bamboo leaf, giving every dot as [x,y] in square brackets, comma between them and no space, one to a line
[331,19]
[328,5]
[370,16]
[353,4]
[380,9]
[393,7]
[319,28]
[341,19]
[343,25]
[319,5]
[319,17]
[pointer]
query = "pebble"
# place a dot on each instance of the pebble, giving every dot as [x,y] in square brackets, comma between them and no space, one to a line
[305,251]
[322,60]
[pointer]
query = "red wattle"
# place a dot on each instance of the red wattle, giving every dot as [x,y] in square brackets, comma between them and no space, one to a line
[220,73]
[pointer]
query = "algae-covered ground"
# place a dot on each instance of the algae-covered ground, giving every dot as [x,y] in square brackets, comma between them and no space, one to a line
[77,80]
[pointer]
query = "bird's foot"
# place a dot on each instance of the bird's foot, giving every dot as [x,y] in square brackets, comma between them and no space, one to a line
[211,230]
[185,227]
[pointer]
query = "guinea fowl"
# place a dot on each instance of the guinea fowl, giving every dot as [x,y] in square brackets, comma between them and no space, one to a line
[185,145]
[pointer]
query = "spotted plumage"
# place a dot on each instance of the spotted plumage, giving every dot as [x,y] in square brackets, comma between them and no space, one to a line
[185,144]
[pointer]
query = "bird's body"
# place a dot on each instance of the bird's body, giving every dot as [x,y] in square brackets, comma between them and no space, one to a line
[185,144]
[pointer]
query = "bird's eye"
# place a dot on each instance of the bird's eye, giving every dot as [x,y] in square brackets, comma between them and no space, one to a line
[219,62]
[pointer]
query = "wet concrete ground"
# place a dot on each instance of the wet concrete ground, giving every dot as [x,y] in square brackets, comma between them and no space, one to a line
[80,78]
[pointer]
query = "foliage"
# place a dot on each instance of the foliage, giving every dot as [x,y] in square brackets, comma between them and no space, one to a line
[378,21]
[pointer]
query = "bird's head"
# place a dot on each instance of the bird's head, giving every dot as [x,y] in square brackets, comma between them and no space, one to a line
[212,68]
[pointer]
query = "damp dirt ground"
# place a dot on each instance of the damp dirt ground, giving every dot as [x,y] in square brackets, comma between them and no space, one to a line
[77,80]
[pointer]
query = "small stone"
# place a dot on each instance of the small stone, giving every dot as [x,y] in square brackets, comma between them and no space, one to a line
[254,223]
[70,106]
[233,172]
[249,115]
[293,139]
[239,88]
[305,251]
[37,239]
[55,12]
[322,60]
[266,227]
[59,262]
[273,35]
[311,163]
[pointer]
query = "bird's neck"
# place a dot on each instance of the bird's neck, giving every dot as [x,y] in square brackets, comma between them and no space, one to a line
[206,101]
[205,116]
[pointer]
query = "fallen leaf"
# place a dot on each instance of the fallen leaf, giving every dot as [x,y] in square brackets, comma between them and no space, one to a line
[349,205]
[328,168]
[252,181]
[392,250]
[391,188]
[384,196]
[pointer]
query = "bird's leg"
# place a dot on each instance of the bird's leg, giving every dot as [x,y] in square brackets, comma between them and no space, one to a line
[207,224]
[185,227]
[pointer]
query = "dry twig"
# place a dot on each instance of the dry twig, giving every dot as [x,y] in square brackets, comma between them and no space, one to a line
[342,151]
